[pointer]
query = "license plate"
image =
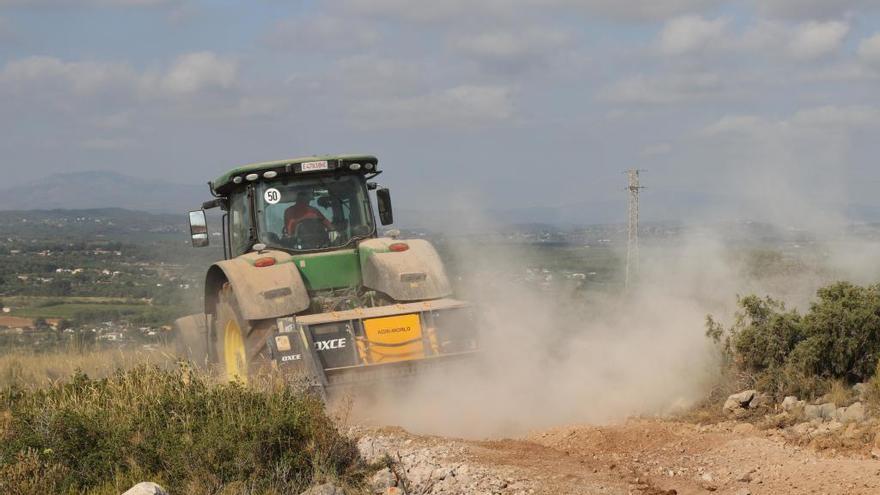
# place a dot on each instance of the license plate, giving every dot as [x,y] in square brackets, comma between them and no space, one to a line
[311,166]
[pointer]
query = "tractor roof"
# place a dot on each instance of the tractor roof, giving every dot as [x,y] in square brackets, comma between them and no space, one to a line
[290,165]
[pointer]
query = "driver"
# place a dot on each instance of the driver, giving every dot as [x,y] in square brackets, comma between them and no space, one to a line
[302,210]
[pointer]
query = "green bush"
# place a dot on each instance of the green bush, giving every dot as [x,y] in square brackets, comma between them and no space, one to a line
[784,352]
[175,428]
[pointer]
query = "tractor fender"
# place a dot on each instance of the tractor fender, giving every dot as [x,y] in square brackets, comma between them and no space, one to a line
[411,275]
[261,292]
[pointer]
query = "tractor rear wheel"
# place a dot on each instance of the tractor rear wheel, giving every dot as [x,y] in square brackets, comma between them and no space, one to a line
[239,344]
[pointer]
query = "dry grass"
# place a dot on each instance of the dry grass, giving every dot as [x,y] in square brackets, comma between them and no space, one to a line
[840,394]
[34,370]
[176,427]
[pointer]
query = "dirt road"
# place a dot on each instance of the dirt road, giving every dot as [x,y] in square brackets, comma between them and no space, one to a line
[645,456]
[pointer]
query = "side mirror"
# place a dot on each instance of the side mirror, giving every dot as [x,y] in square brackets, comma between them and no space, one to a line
[383,203]
[198,228]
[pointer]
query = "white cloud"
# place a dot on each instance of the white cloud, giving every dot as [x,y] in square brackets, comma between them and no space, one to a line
[458,107]
[107,144]
[88,3]
[322,33]
[663,89]
[188,74]
[6,31]
[32,73]
[650,10]
[417,10]
[512,50]
[837,117]
[371,76]
[802,42]
[452,10]
[823,119]
[691,33]
[869,50]
[738,124]
[812,9]
[119,120]
[813,39]
[261,106]
[198,71]
[657,149]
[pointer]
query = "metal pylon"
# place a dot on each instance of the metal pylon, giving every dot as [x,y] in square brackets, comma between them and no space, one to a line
[632,230]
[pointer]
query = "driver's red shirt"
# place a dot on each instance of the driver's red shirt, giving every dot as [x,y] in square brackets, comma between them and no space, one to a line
[299,212]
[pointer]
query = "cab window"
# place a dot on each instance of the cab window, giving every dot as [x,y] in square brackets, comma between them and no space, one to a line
[239,223]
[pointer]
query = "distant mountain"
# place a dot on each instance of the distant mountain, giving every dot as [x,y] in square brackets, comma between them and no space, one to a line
[98,189]
[87,190]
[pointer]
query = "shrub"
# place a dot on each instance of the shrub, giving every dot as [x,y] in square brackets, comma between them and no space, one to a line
[175,428]
[842,333]
[758,344]
[783,352]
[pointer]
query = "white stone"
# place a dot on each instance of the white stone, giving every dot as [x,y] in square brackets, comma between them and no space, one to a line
[146,488]
[738,401]
[791,402]
[853,414]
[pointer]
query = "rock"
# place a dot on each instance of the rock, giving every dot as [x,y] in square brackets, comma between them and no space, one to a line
[393,490]
[826,428]
[802,429]
[822,411]
[739,400]
[826,410]
[420,473]
[383,480]
[853,414]
[325,489]
[745,476]
[146,488]
[759,400]
[707,481]
[791,402]
[861,389]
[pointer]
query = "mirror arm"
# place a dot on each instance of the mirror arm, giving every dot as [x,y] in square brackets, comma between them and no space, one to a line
[214,203]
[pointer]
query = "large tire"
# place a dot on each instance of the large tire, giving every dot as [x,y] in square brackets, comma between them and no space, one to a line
[239,344]
[191,339]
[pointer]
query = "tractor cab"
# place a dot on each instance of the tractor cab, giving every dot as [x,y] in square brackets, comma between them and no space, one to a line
[298,206]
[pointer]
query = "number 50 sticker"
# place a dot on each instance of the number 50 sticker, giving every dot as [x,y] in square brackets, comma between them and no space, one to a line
[272,196]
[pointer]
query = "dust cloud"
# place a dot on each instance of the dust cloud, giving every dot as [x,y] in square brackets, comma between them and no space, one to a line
[552,358]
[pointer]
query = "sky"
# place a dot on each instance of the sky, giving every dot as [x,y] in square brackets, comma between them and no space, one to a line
[772,106]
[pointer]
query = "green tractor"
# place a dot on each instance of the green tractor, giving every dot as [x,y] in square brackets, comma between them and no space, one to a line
[309,286]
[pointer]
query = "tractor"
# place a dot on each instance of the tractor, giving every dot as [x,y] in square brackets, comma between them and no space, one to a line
[308,285]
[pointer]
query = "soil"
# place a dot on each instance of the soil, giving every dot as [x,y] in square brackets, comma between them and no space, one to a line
[639,456]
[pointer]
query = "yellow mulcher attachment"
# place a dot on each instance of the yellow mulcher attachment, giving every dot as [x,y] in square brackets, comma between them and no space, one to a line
[372,344]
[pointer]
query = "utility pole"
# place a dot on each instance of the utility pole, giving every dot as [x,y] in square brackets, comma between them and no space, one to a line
[632,230]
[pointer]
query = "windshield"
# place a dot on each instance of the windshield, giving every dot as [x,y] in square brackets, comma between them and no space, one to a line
[317,213]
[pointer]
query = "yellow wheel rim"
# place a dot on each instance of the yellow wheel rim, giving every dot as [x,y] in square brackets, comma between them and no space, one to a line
[234,353]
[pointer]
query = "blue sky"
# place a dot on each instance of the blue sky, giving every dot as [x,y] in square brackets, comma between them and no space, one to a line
[768,108]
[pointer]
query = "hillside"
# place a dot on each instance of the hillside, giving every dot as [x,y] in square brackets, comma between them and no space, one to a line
[88,190]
